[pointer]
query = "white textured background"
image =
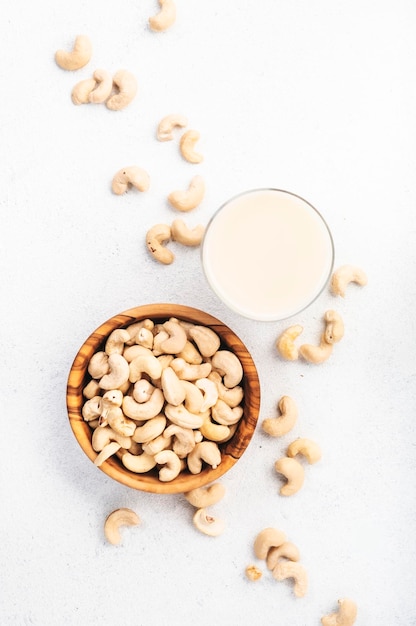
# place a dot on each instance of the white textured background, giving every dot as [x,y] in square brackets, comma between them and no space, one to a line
[314,96]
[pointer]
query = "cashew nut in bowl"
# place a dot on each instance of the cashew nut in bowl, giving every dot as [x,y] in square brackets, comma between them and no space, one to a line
[108,450]
[104,85]
[191,197]
[119,517]
[133,176]
[177,338]
[266,539]
[345,275]
[168,123]
[98,365]
[118,374]
[151,429]
[316,354]
[334,329]
[190,371]
[345,616]
[172,387]
[208,524]
[187,146]
[285,343]
[171,465]
[183,439]
[287,550]
[207,341]
[278,426]
[201,497]
[229,366]
[307,448]
[291,569]
[155,237]
[185,235]
[144,410]
[139,464]
[116,341]
[293,471]
[144,364]
[119,422]
[206,451]
[78,57]
[126,84]
[81,92]
[180,416]
[165,18]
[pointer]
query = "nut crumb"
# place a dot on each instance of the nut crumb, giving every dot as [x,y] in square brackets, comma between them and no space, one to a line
[253,572]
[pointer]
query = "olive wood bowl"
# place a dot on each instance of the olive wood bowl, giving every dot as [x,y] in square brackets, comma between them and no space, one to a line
[231,451]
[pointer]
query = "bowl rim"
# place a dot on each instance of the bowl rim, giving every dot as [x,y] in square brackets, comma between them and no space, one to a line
[231,451]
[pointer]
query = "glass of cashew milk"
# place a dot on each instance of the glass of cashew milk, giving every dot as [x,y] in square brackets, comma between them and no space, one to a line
[267,254]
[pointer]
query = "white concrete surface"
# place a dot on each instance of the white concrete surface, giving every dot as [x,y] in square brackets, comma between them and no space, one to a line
[316,97]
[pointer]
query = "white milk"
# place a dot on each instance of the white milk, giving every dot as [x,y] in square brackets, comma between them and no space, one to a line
[267,254]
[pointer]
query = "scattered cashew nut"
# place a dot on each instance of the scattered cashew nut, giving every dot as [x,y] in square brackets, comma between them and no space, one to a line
[168,123]
[266,539]
[345,616]
[345,275]
[81,92]
[133,176]
[285,342]
[187,146]
[155,237]
[334,329]
[287,550]
[191,197]
[126,84]
[201,497]
[165,18]
[185,235]
[307,448]
[316,354]
[119,517]
[278,426]
[103,87]
[291,569]
[208,524]
[293,471]
[78,57]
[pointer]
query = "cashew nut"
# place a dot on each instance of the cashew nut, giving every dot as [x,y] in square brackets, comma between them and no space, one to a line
[119,517]
[185,235]
[144,338]
[208,524]
[177,338]
[345,616]
[293,471]
[133,176]
[103,88]
[111,448]
[184,439]
[172,465]
[233,396]
[165,18]
[168,123]
[144,410]
[103,435]
[91,389]
[345,275]
[133,329]
[140,464]
[224,414]
[193,397]
[316,354]
[213,431]
[334,330]
[118,374]
[278,426]
[190,354]
[92,408]
[158,339]
[116,341]
[191,197]
[285,342]
[202,497]
[142,390]
[229,366]
[98,365]
[210,391]
[172,387]
[119,423]
[156,445]
[207,341]
[189,371]
[307,448]
[206,451]
[266,539]
[79,55]
[81,91]
[130,352]
[144,364]
[155,237]
[291,569]
[253,572]
[187,146]
[126,84]
[150,429]
[287,550]
[180,416]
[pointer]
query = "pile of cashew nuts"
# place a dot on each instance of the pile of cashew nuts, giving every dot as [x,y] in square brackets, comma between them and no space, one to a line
[163,395]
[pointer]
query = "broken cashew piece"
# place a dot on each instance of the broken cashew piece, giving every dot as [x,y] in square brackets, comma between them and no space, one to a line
[119,517]
[202,497]
[345,275]
[345,616]
[316,354]
[133,176]
[285,343]
[191,197]
[208,524]
[103,88]
[187,146]
[334,329]
[168,123]
[291,569]
[266,539]
[185,235]
[253,572]
[126,84]
[307,448]
[165,18]
[293,471]
[155,238]
[278,426]
[79,55]
[81,92]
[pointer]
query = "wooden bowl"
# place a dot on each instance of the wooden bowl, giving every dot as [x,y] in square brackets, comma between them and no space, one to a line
[231,451]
